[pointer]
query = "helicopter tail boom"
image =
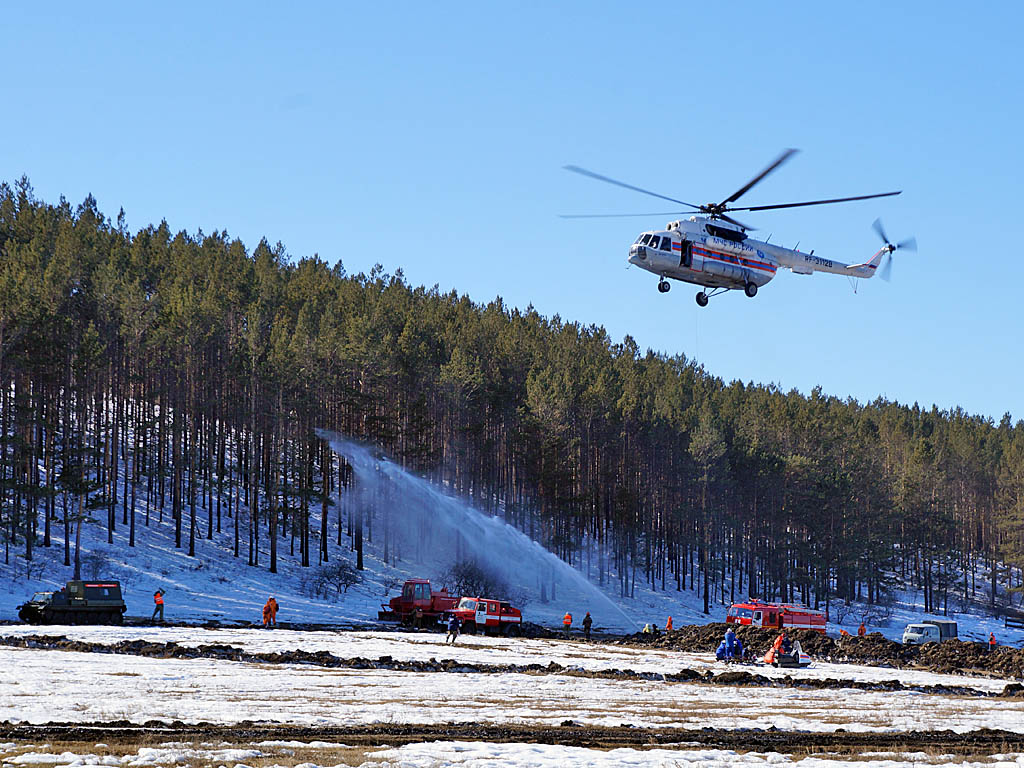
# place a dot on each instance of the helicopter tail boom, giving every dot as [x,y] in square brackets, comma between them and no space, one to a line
[868,268]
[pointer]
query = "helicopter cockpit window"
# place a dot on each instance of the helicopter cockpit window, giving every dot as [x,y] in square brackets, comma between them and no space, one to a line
[646,239]
[666,244]
[637,241]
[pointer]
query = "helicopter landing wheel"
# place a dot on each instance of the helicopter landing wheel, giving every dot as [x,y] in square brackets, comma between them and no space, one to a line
[702,299]
[664,286]
[750,289]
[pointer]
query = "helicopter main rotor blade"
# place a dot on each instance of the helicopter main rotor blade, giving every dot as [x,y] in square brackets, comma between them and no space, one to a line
[617,215]
[786,154]
[599,177]
[815,202]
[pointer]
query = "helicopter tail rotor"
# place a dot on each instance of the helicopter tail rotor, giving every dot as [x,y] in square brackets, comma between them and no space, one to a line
[910,244]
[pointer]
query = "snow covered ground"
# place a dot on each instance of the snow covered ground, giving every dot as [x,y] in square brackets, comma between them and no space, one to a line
[467,755]
[43,686]
[107,687]
[477,649]
[478,755]
[98,687]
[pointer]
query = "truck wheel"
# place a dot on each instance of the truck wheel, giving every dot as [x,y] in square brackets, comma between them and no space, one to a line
[514,630]
[470,628]
[117,618]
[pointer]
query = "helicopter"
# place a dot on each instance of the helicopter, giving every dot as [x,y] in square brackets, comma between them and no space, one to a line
[714,251]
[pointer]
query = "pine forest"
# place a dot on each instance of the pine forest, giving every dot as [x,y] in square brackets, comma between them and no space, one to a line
[177,378]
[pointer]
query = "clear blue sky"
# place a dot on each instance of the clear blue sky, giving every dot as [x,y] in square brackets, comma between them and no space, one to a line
[430,137]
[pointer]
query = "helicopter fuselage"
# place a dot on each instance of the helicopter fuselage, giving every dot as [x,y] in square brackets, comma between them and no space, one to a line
[713,254]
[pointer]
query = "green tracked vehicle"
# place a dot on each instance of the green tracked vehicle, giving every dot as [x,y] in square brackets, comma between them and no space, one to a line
[80,602]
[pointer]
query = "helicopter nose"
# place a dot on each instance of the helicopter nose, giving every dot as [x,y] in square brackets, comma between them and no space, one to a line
[637,254]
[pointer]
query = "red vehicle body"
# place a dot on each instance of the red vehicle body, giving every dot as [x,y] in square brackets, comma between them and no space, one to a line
[776,616]
[418,603]
[482,614]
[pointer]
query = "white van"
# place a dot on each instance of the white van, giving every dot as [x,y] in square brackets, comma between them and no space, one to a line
[919,634]
[929,632]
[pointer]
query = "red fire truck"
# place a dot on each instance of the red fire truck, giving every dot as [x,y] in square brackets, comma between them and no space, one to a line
[418,604]
[776,616]
[487,616]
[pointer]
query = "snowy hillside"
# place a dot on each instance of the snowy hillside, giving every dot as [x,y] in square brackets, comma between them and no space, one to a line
[216,586]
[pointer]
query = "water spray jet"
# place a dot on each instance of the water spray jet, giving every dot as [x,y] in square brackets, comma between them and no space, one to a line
[426,520]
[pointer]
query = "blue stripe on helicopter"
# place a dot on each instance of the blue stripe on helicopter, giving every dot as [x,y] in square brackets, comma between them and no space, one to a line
[729,259]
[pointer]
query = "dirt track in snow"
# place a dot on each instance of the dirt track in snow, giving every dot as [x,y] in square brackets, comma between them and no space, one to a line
[570,734]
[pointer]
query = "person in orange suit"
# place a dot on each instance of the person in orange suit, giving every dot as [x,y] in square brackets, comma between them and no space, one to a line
[844,633]
[270,612]
[991,641]
[567,622]
[782,644]
[668,624]
[158,605]
[862,630]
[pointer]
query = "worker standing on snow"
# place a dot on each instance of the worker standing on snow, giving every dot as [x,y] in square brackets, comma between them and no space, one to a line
[991,641]
[730,643]
[270,613]
[453,629]
[862,630]
[158,605]
[668,624]
[587,624]
[567,623]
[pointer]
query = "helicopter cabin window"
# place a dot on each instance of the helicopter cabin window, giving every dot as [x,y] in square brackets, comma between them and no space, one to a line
[666,244]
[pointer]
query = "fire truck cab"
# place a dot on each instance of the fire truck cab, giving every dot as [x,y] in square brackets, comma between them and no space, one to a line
[482,614]
[418,604]
[776,616]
